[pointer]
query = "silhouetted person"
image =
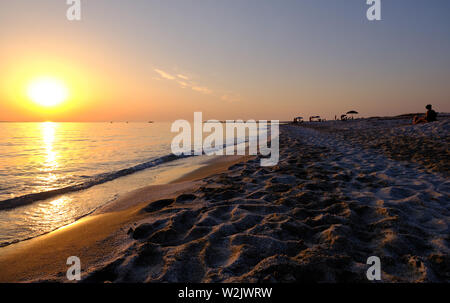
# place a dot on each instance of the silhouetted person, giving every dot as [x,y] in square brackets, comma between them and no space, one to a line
[430,116]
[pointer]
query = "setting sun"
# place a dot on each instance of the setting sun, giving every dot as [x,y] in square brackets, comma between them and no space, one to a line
[47,91]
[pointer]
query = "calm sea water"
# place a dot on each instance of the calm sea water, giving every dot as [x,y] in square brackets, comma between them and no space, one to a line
[37,157]
[51,174]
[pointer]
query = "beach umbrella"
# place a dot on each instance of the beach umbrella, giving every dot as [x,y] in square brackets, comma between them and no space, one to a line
[352,112]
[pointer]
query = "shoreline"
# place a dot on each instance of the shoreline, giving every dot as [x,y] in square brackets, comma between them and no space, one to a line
[34,259]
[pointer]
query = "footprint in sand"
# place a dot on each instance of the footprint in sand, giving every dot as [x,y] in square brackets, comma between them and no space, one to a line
[395,193]
[158,205]
[185,198]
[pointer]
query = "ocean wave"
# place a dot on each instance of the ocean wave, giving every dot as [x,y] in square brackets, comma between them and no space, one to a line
[92,181]
[105,177]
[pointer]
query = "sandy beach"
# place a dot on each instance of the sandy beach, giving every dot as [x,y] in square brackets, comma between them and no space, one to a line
[341,192]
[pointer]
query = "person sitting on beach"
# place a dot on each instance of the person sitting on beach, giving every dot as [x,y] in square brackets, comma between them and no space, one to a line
[430,116]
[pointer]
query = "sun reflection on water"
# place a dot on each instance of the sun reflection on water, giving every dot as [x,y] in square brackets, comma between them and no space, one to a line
[48,179]
[50,215]
[48,138]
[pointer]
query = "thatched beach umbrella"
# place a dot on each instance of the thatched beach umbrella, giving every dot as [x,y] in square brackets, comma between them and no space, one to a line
[352,112]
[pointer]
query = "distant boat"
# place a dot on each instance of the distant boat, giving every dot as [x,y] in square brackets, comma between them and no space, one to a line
[150,121]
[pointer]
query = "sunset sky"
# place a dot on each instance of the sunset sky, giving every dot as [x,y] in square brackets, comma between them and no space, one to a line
[251,59]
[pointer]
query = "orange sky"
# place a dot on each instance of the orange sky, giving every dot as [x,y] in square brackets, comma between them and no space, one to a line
[160,61]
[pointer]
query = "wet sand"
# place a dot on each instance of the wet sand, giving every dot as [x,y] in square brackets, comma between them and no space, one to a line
[96,238]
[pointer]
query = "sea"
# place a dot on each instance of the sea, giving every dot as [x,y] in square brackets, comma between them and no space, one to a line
[52,174]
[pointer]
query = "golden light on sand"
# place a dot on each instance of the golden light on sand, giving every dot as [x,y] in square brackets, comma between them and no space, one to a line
[47,91]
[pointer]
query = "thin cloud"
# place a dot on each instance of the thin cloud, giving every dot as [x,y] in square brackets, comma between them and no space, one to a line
[164,74]
[231,98]
[185,82]
[201,89]
[183,77]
